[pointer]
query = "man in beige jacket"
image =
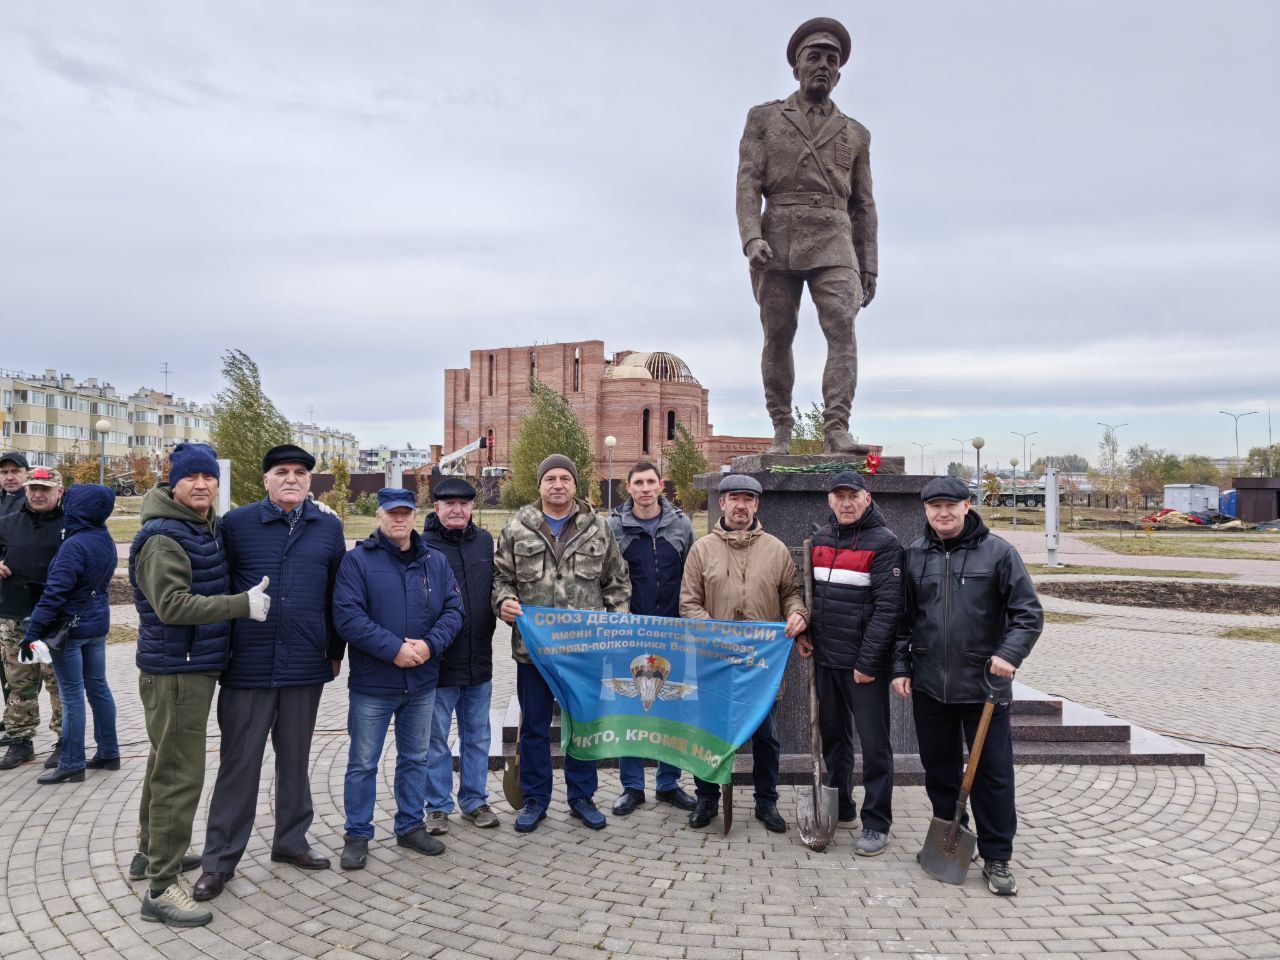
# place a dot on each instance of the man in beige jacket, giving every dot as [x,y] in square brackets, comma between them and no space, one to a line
[739,572]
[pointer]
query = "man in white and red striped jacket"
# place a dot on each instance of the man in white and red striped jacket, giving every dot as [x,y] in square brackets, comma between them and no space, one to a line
[857,597]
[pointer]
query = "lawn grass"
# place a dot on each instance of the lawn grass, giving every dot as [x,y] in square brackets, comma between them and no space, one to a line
[1143,546]
[120,634]
[1261,634]
[1040,568]
[1054,616]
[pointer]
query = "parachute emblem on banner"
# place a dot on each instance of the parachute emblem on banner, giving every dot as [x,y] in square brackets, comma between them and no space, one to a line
[648,681]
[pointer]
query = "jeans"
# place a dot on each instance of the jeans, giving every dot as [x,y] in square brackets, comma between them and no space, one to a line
[81,668]
[631,773]
[471,703]
[535,744]
[367,718]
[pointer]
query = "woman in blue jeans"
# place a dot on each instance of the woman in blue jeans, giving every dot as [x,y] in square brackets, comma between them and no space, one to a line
[76,591]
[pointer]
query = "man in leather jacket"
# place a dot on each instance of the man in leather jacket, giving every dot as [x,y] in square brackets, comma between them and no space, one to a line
[968,603]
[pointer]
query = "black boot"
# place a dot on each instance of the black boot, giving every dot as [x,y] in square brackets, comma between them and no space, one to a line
[704,811]
[19,752]
[55,756]
[767,813]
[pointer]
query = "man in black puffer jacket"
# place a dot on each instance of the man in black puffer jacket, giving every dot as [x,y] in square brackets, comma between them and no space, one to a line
[968,601]
[857,596]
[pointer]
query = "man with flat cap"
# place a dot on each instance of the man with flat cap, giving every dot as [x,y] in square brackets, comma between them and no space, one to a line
[278,667]
[465,685]
[969,609]
[857,597]
[811,166]
[739,572]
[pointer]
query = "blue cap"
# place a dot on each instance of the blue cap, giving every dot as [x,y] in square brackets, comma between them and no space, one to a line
[389,498]
[189,458]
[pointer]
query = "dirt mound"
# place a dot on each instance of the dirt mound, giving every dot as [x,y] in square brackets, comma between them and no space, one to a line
[1200,597]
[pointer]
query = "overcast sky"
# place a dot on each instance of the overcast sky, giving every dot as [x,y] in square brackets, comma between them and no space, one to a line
[1079,207]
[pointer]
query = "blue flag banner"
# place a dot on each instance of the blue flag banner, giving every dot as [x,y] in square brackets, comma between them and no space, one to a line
[689,692]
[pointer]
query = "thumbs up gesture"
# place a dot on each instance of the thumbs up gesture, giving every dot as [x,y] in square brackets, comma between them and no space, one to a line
[259,602]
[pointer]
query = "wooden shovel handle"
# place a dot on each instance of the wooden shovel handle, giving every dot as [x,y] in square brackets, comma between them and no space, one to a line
[975,753]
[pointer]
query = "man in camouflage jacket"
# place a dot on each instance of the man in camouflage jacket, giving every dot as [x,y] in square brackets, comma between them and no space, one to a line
[554,553]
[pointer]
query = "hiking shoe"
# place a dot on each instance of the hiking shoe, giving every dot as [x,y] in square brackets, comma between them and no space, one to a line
[586,811]
[999,880]
[19,752]
[871,843]
[355,853]
[138,865]
[482,817]
[52,761]
[175,908]
[421,841]
[529,817]
[437,823]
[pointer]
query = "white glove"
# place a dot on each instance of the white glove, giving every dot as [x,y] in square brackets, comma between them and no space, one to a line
[259,602]
[324,508]
[39,653]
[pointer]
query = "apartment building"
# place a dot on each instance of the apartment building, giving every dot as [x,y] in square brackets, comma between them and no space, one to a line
[375,459]
[51,416]
[327,445]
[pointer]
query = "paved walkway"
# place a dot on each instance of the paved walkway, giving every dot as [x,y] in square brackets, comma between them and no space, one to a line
[1114,862]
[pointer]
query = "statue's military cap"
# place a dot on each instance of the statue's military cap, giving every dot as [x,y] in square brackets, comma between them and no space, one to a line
[835,34]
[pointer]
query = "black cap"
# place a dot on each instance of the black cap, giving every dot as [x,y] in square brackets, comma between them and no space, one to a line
[945,488]
[834,30]
[848,478]
[287,453]
[16,458]
[453,488]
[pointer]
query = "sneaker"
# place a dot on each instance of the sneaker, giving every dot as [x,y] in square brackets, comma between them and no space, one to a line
[482,817]
[138,865]
[421,841]
[586,811]
[437,823]
[529,817]
[999,880]
[871,843]
[175,908]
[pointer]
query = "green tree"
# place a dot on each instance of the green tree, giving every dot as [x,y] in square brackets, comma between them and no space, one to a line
[684,463]
[1150,469]
[339,498]
[1066,462]
[1197,468]
[1263,461]
[806,434]
[955,469]
[246,424]
[1106,476]
[550,426]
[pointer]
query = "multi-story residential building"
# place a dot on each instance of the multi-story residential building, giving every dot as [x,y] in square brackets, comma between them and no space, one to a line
[375,459]
[327,445]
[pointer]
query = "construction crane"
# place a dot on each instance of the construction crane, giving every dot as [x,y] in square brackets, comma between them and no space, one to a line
[455,464]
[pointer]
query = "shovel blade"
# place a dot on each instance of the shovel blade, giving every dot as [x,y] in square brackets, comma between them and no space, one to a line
[817,824]
[511,784]
[948,863]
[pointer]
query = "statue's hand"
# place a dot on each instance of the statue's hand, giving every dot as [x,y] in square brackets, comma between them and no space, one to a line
[758,253]
[868,288]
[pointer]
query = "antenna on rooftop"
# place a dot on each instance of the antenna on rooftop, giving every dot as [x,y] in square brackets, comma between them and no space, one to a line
[164,368]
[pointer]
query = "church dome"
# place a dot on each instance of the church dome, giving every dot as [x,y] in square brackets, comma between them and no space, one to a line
[657,365]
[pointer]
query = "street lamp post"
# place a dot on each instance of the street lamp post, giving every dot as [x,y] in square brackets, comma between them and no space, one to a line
[1013,462]
[978,444]
[961,442]
[609,443]
[102,426]
[917,443]
[1236,417]
[1024,441]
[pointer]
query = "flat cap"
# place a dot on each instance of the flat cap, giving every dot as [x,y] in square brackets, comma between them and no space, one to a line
[739,483]
[453,488]
[837,36]
[16,458]
[848,478]
[389,498]
[287,453]
[945,488]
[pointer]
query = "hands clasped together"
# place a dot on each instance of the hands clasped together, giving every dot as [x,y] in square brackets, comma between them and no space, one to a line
[413,653]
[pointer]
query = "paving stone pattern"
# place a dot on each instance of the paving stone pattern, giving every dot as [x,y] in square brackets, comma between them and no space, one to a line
[1114,863]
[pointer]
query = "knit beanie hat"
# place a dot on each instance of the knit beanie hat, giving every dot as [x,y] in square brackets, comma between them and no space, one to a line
[189,458]
[557,461]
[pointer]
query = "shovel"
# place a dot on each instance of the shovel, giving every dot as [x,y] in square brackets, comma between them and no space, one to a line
[511,775]
[817,810]
[949,846]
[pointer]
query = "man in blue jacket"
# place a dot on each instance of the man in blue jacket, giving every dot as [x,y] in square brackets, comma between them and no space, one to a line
[278,668]
[654,537]
[466,672]
[397,606]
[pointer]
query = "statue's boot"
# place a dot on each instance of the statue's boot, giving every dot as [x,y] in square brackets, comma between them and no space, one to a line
[781,440]
[837,440]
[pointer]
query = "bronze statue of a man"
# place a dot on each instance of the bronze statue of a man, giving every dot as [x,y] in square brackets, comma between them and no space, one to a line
[812,166]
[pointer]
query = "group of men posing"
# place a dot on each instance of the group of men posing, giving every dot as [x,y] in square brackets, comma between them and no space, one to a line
[264,603]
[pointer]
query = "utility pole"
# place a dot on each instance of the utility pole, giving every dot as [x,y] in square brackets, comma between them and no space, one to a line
[164,368]
[1236,417]
[311,414]
[917,443]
